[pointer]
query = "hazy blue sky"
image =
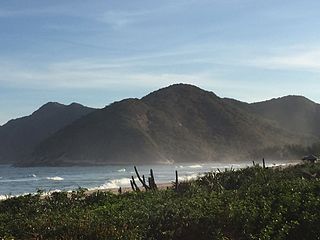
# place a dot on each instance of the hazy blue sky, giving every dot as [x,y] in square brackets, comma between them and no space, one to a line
[96,52]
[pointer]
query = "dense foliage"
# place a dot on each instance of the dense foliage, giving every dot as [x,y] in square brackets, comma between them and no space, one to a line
[252,203]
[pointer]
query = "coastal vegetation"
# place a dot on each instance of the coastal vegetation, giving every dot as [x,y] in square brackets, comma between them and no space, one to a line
[251,203]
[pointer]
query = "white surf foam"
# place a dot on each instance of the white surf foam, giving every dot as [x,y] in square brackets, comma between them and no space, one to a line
[122,170]
[190,177]
[4,197]
[115,183]
[56,178]
[179,166]
[48,193]
[195,166]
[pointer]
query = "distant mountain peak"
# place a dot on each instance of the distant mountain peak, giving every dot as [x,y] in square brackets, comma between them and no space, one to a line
[291,99]
[75,105]
[49,106]
[299,98]
[180,90]
[18,137]
[53,104]
[180,87]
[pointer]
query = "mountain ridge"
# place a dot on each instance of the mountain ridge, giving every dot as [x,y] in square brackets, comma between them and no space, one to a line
[19,136]
[173,124]
[178,123]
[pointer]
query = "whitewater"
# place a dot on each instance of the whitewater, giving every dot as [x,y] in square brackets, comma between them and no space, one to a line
[19,181]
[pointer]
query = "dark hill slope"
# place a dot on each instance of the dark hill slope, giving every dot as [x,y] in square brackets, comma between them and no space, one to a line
[19,137]
[294,113]
[179,123]
[113,134]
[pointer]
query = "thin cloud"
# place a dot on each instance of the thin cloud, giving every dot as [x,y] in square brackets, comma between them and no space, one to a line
[88,75]
[308,60]
[118,19]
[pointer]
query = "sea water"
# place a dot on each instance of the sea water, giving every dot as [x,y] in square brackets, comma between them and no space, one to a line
[19,181]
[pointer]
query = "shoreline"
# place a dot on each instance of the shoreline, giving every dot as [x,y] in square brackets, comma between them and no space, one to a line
[161,186]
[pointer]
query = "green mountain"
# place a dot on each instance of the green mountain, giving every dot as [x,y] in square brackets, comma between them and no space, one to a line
[180,123]
[19,137]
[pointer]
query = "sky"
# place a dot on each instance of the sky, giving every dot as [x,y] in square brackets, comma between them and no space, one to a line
[97,52]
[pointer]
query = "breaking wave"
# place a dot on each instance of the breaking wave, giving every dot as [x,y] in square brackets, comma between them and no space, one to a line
[195,166]
[48,193]
[55,178]
[45,193]
[179,166]
[122,170]
[189,177]
[115,183]
[3,197]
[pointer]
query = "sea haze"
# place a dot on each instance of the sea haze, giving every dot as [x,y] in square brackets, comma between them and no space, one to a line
[18,181]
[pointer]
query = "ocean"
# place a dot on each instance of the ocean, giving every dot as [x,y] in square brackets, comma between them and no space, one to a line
[19,181]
